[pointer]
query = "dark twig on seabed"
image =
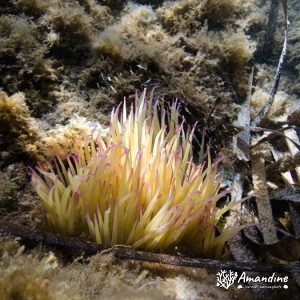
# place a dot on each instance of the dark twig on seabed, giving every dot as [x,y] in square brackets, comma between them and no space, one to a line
[32,238]
[269,37]
[264,112]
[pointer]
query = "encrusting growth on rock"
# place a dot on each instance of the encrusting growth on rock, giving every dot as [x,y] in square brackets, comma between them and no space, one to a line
[24,134]
[16,124]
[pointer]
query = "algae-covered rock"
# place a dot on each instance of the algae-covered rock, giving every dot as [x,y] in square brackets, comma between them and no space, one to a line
[17,128]
[8,192]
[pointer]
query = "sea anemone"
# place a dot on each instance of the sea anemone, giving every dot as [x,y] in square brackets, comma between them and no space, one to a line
[139,186]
